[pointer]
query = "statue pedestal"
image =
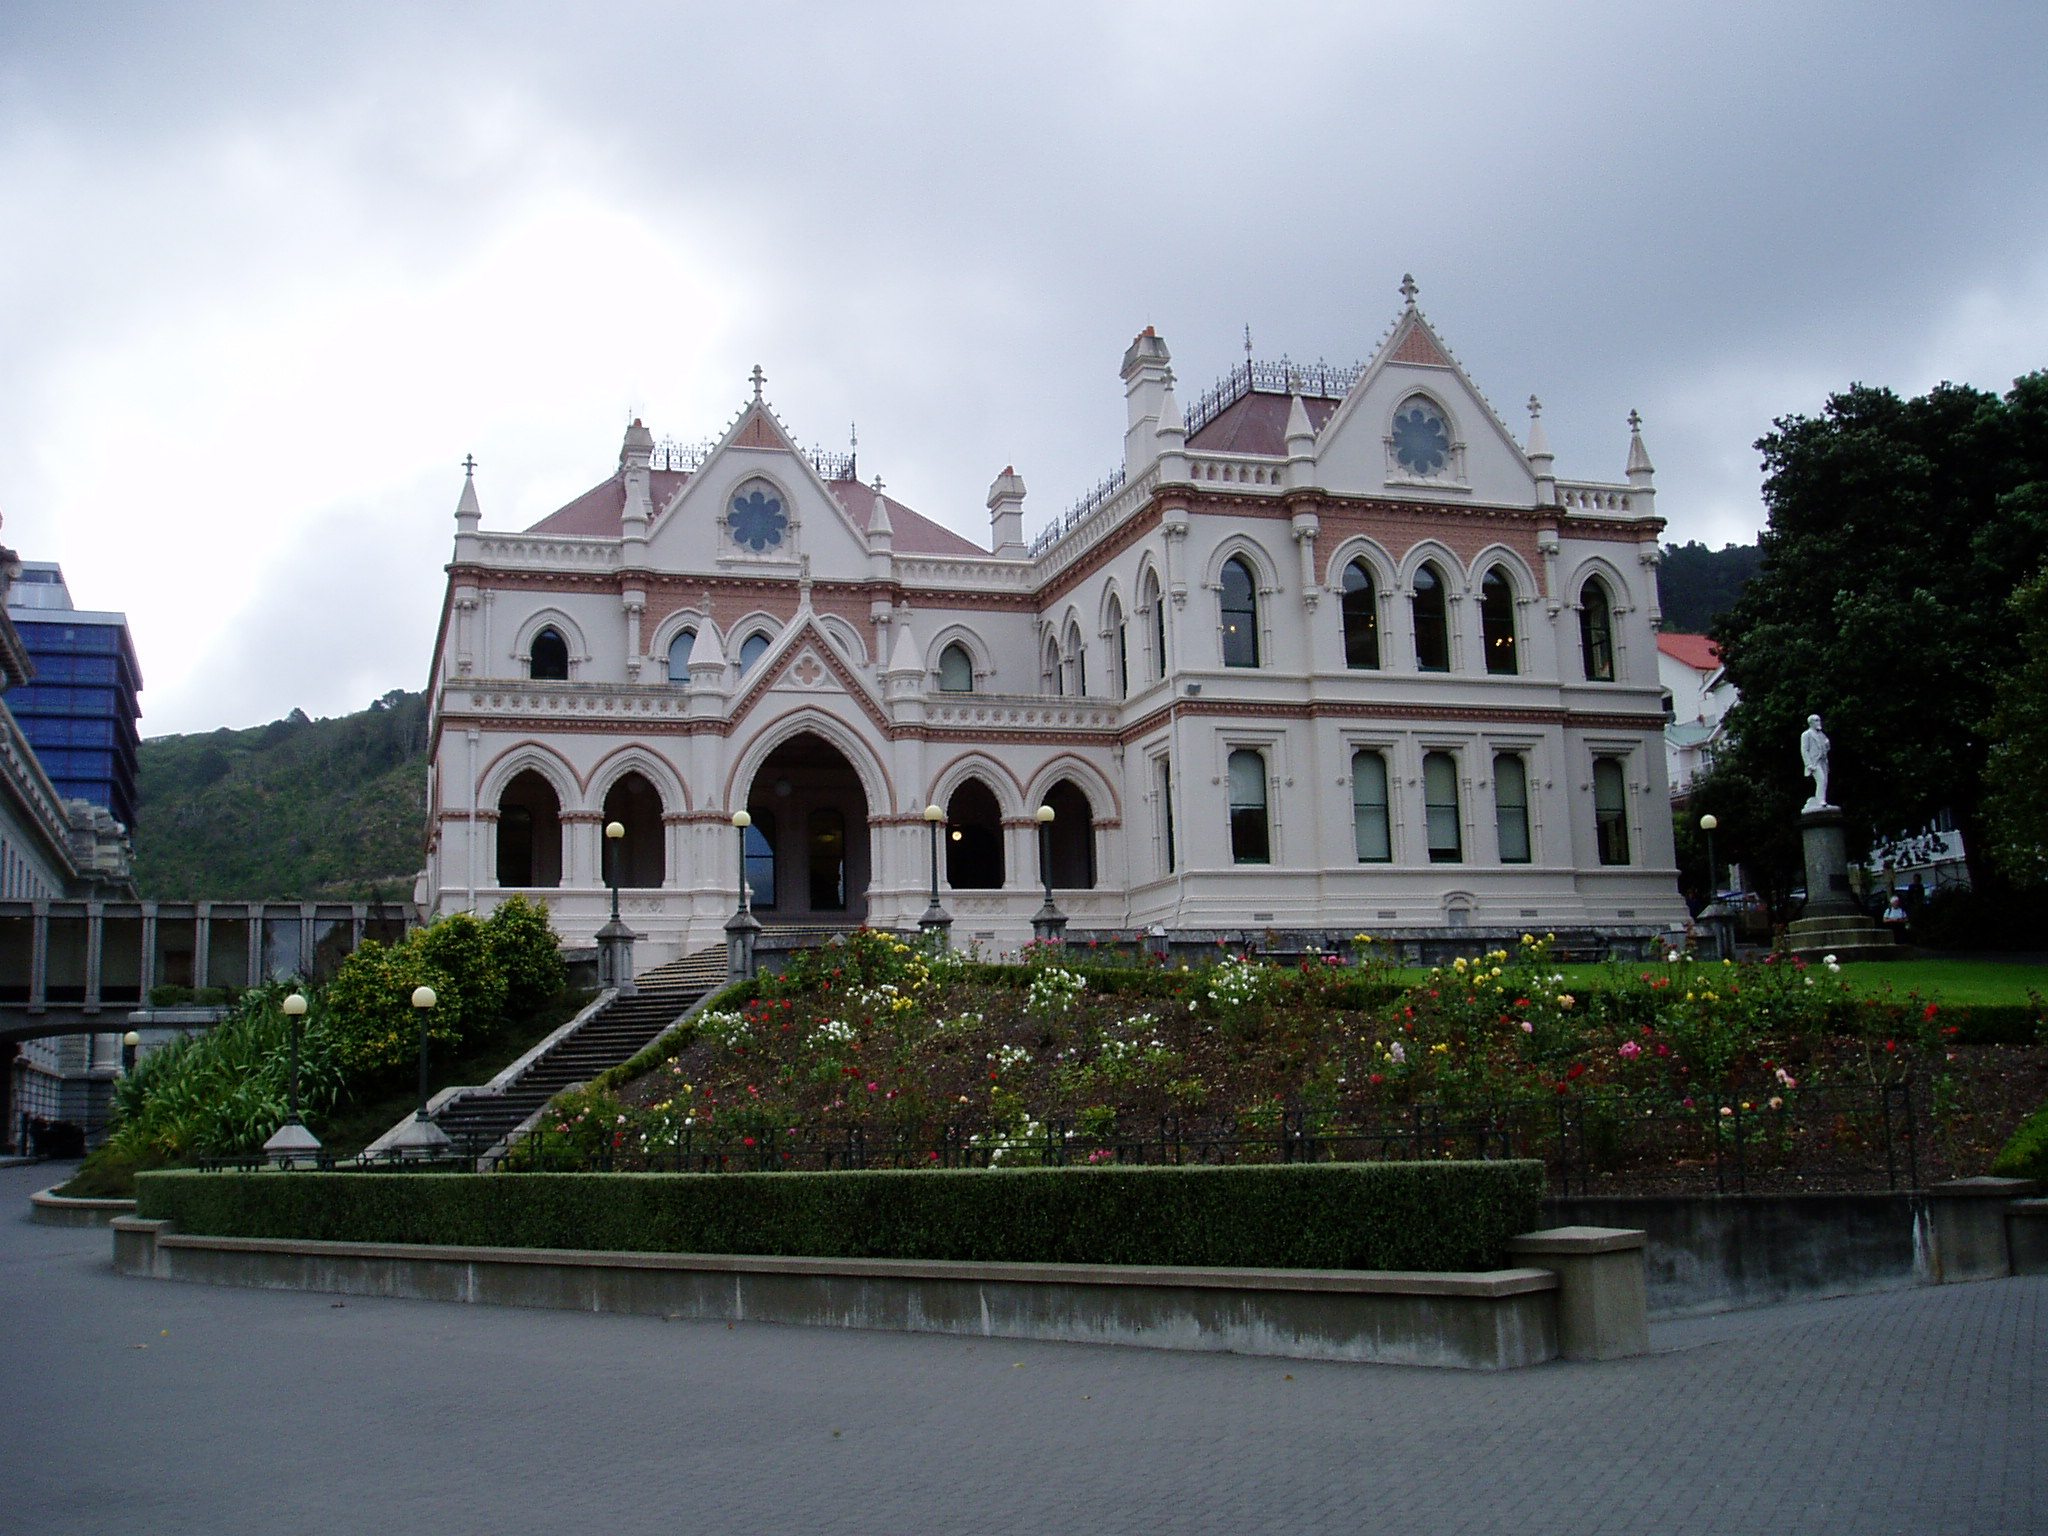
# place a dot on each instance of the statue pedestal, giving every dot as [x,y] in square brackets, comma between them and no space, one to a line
[1827,866]
[1833,924]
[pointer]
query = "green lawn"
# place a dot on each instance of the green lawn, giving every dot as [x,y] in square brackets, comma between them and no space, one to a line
[1954,982]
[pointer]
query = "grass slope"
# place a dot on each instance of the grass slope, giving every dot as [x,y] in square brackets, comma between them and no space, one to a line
[294,809]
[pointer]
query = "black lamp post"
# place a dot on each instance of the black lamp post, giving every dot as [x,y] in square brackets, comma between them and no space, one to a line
[1708,823]
[292,1140]
[129,1042]
[1049,923]
[936,918]
[742,928]
[423,1001]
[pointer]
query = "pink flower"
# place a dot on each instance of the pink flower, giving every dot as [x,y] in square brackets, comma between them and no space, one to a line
[1528,1028]
[1630,1050]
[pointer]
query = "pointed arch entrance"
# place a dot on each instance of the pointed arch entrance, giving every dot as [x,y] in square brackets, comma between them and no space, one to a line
[810,862]
[529,833]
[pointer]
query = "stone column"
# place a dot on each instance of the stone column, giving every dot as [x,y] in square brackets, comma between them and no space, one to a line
[1602,1306]
[1827,864]
[1962,1235]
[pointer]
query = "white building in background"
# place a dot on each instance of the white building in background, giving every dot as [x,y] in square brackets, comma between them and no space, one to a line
[1329,652]
[1689,666]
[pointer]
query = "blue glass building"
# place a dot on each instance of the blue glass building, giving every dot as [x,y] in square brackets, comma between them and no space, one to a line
[80,711]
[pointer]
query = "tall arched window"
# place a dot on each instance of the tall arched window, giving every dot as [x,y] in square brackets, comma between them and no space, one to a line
[1158,635]
[974,839]
[1077,659]
[1610,810]
[1440,806]
[636,860]
[529,833]
[1432,625]
[1250,840]
[679,656]
[751,649]
[1369,820]
[1119,655]
[1596,631]
[1497,622]
[1240,615]
[1511,807]
[548,661]
[1072,838]
[1052,674]
[1361,617]
[956,669]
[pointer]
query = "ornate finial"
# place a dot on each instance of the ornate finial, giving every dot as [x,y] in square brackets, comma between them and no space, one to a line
[759,379]
[1408,288]
[878,485]
[469,466]
[1535,406]
[1635,421]
[1247,341]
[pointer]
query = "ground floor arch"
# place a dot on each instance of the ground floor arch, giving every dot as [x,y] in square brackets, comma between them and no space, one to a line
[636,861]
[808,853]
[529,852]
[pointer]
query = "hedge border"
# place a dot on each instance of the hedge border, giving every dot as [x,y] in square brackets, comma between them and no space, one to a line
[1372,1216]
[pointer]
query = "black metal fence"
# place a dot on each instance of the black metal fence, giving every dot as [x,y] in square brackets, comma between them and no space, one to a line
[1819,1139]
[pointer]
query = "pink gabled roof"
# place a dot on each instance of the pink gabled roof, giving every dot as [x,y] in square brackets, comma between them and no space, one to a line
[1696,651]
[1257,423]
[915,534]
[600,511]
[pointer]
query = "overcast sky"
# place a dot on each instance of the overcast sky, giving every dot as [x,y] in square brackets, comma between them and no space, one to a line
[268,272]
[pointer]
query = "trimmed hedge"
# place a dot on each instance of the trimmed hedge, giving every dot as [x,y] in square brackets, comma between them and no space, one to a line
[1421,1216]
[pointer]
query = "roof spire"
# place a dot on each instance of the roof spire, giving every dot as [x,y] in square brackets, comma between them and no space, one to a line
[467,513]
[1408,288]
[469,466]
[1247,341]
[1639,467]
[1540,458]
[759,378]
[853,450]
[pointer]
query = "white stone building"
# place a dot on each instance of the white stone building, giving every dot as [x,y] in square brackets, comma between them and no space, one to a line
[1331,652]
[1701,696]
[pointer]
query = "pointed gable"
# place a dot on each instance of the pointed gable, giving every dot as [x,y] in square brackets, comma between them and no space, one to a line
[1415,426]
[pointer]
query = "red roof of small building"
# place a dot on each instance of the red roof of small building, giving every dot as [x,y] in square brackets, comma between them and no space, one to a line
[1257,423]
[1696,651]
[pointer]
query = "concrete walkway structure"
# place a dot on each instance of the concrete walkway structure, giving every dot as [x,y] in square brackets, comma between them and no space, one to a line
[147,1406]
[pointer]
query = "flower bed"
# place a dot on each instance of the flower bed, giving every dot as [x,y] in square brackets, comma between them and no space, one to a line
[876,1045]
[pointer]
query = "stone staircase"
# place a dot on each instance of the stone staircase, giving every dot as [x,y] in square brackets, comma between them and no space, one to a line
[478,1120]
[1846,937]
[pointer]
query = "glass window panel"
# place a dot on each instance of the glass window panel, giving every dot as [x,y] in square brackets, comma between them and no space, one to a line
[1497,622]
[1596,631]
[956,670]
[1440,804]
[1610,810]
[1432,629]
[1370,825]
[1240,608]
[1249,843]
[1511,807]
[679,656]
[1361,617]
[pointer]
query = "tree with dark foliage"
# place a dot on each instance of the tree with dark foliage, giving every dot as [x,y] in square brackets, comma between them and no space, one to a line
[1899,531]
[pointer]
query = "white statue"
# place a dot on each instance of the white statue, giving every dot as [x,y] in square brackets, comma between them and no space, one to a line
[1813,752]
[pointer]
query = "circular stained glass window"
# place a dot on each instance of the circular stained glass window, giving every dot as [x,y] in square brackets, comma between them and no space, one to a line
[756,517]
[1422,442]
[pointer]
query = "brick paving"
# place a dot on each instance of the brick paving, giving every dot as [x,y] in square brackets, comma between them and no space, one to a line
[145,1406]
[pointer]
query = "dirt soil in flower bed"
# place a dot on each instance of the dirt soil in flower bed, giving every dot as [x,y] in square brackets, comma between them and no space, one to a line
[1681,1077]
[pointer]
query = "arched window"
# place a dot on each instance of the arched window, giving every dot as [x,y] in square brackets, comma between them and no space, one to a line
[751,649]
[1432,627]
[1440,805]
[1511,807]
[759,842]
[974,839]
[679,655]
[1610,810]
[1497,622]
[1596,631]
[1072,838]
[956,669]
[1157,603]
[1119,656]
[529,833]
[1361,617]
[1250,841]
[636,860]
[548,661]
[1052,675]
[1370,828]
[1240,613]
[1077,659]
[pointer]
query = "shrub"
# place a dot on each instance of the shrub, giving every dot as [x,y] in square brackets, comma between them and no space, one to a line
[528,954]
[2026,1155]
[369,1014]
[460,948]
[1424,1216]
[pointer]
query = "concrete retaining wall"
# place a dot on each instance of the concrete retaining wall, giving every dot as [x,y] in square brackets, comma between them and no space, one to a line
[1488,1320]
[50,1209]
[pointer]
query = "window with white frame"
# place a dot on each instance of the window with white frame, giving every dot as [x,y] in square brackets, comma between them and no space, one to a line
[1371,825]
[1250,828]
[1610,809]
[1511,806]
[1440,808]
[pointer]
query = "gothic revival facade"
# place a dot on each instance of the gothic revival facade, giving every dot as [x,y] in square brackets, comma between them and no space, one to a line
[1330,653]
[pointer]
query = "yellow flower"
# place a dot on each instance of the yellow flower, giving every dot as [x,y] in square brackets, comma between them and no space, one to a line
[1564,999]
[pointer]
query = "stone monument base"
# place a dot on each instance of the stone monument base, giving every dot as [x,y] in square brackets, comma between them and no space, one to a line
[1833,923]
[1846,938]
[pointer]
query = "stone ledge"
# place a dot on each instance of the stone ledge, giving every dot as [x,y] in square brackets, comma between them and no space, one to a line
[1578,1240]
[1484,1320]
[50,1209]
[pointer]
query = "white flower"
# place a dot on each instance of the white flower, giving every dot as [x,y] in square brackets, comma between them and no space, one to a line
[1671,957]
[1827,959]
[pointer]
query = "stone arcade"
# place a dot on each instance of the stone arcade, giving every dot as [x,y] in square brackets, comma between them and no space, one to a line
[1330,652]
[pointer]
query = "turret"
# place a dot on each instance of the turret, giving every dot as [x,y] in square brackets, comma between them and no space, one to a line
[1542,462]
[1641,473]
[1006,515]
[635,455]
[1147,377]
[467,513]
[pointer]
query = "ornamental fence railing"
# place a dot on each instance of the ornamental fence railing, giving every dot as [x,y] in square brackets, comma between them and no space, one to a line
[1823,1139]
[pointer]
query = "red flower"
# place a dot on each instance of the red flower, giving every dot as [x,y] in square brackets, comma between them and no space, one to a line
[1578,1071]
[748,1140]
[1376,1079]
[1891,1046]
[1932,1010]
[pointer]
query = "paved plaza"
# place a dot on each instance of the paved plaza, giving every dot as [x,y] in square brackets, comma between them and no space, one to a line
[161,1408]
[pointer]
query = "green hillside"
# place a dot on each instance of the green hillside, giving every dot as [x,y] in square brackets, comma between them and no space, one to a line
[1696,585]
[294,809]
